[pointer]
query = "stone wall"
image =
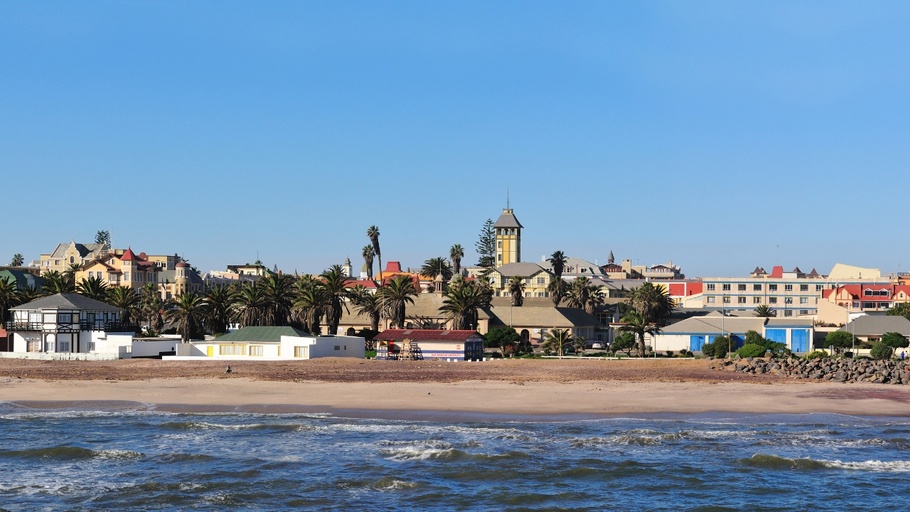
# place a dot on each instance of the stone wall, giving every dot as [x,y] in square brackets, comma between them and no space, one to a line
[823,369]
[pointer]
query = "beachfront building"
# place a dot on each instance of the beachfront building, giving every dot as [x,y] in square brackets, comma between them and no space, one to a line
[66,256]
[692,333]
[429,344]
[169,273]
[424,313]
[871,328]
[536,317]
[262,343]
[66,325]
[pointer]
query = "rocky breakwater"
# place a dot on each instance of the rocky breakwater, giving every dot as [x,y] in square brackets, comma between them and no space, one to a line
[824,369]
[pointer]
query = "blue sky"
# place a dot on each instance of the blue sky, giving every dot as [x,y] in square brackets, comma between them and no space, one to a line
[719,135]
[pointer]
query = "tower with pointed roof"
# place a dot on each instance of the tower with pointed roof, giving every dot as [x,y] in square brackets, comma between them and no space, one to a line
[508,238]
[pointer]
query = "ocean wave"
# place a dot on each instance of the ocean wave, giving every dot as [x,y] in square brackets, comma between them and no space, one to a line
[406,451]
[65,452]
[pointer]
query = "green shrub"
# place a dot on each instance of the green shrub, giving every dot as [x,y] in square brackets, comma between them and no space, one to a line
[817,354]
[881,351]
[720,350]
[751,350]
[669,353]
[708,349]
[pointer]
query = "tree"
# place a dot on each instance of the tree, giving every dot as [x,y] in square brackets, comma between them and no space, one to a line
[395,296]
[278,296]
[557,261]
[624,342]
[334,293]
[103,237]
[55,282]
[456,253]
[9,298]
[900,309]
[556,340]
[583,294]
[187,313]
[70,275]
[517,290]
[310,303]
[764,311]
[503,338]
[17,261]
[93,288]
[881,351]
[652,306]
[373,234]
[557,289]
[840,340]
[486,245]
[127,301]
[368,304]
[895,340]
[368,255]
[218,313]
[461,302]
[249,305]
[436,266]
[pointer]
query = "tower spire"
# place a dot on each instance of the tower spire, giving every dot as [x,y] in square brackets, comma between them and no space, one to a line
[507,198]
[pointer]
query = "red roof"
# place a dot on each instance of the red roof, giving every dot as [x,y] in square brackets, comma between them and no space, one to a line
[424,335]
[777,271]
[129,255]
[392,266]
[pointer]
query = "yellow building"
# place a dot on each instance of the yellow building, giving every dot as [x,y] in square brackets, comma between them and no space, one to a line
[508,238]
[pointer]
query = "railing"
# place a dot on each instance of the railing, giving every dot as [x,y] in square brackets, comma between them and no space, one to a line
[83,326]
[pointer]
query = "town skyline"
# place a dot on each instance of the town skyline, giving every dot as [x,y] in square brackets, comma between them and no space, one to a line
[717,136]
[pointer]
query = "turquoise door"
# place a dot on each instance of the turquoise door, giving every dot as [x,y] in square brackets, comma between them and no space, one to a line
[696,342]
[776,335]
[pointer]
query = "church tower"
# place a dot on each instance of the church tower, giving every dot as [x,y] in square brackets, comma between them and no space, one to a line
[508,238]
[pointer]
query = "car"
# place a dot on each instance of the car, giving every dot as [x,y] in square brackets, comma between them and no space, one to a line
[597,345]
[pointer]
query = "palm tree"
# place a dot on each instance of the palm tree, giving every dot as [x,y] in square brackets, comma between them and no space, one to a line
[436,266]
[556,339]
[218,311]
[557,289]
[652,306]
[558,262]
[461,303]
[93,288]
[250,305]
[187,312]
[127,300]
[17,261]
[373,234]
[764,311]
[310,303]
[9,298]
[334,293]
[55,282]
[395,296]
[368,255]
[456,253]
[585,295]
[30,293]
[517,290]
[366,303]
[70,274]
[635,323]
[278,294]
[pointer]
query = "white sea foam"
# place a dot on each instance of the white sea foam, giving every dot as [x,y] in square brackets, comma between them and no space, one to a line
[891,466]
[416,450]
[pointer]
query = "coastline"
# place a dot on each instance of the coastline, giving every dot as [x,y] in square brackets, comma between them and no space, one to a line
[461,400]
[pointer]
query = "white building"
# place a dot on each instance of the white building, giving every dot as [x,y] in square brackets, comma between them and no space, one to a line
[68,324]
[271,343]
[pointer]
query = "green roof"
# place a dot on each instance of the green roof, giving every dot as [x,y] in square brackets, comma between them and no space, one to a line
[261,333]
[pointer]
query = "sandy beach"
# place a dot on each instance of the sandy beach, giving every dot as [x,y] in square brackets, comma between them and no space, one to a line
[568,387]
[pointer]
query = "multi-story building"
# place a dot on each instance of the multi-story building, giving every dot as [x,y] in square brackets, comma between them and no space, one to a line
[66,256]
[508,238]
[171,274]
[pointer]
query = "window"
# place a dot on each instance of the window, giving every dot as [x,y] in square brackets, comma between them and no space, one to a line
[741,287]
[726,299]
[541,280]
[788,312]
[788,287]
[300,352]
[788,300]
[230,350]
[64,318]
[803,287]
[740,300]
[710,287]
[63,346]
[804,300]
[819,287]
[756,300]
[756,287]
[711,300]
[256,350]
[726,287]
[772,300]
[772,287]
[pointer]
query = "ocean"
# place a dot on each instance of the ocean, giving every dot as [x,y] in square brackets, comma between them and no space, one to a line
[139,459]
